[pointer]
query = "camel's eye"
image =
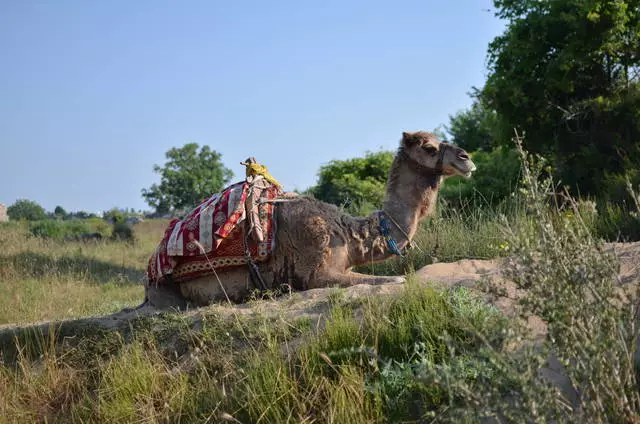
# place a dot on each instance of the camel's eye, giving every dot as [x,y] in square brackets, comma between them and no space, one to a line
[430,149]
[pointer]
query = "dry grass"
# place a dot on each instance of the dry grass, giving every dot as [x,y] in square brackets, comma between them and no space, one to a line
[43,279]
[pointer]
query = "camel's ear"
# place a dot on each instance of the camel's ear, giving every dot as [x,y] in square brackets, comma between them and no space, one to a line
[408,139]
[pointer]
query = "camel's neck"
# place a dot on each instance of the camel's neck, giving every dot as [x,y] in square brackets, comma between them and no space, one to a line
[410,197]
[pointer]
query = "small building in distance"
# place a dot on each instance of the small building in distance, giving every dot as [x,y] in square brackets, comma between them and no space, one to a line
[3,213]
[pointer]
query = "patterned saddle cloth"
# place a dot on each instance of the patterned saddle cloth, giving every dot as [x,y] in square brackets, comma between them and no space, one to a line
[216,232]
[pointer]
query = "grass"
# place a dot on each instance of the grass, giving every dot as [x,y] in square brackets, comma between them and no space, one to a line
[47,279]
[167,369]
[473,232]
[351,371]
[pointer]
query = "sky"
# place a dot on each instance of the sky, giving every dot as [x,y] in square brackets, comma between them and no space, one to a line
[92,94]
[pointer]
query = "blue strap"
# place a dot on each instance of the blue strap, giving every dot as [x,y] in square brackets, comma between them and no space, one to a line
[384,229]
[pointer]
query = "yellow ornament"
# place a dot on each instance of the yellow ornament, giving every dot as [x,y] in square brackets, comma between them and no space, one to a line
[254,168]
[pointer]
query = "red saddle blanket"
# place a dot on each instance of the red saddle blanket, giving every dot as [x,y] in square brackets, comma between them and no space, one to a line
[213,235]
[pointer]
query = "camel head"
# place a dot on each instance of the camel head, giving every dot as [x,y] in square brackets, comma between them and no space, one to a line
[431,155]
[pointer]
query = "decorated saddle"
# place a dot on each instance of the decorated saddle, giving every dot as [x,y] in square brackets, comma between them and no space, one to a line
[226,230]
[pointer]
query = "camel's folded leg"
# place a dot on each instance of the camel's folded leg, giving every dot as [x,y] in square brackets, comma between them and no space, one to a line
[350,278]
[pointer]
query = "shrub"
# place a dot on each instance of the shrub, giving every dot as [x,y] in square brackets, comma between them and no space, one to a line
[59,229]
[60,212]
[122,231]
[494,181]
[99,226]
[616,222]
[48,228]
[27,210]
[568,279]
[356,184]
[114,216]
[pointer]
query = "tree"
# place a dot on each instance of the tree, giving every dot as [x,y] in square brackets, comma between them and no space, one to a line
[190,174]
[475,128]
[356,183]
[567,73]
[59,212]
[28,210]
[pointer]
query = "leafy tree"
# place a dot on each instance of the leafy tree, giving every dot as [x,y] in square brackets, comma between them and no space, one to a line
[356,183]
[27,210]
[59,212]
[475,128]
[567,73]
[190,174]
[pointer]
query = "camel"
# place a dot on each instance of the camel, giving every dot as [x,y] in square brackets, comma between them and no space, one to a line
[317,244]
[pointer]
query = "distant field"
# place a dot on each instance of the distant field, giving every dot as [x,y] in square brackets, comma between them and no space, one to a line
[44,279]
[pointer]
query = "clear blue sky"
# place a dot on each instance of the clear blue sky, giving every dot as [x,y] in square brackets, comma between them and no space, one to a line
[93,93]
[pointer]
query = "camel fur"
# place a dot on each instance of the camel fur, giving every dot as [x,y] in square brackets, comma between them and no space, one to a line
[317,244]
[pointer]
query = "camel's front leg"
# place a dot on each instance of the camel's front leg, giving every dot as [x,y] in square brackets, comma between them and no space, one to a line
[351,278]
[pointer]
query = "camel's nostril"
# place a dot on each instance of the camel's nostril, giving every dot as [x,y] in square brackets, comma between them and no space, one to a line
[463,156]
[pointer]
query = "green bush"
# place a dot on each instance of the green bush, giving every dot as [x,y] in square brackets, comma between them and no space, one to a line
[100,226]
[616,222]
[122,231]
[47,228]
[356,184]
[58,229]
[27,210]
[494,181]
[51,228]
[567,278]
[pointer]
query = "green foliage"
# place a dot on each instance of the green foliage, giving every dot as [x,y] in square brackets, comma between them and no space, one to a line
[55,229]
[566,73]
[27,210]
[124,392]
[375,360]
[495,180]
[80,215]
[471,230]
[48,228]
[165,369]
[568,279]
[475,128]
[615,222]
[114,215]
[60,212]
[122,231]
[190,174]
[99,226]
[357,184]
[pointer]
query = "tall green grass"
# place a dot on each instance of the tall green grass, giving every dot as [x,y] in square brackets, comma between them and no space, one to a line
[358,367]
[472,231]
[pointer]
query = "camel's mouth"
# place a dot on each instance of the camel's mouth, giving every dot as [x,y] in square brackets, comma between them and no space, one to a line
[466,172]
